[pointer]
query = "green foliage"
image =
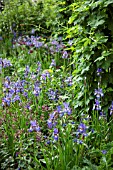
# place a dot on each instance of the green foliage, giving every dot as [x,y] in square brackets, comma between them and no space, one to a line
[20,17]
[35,95]
[90,27]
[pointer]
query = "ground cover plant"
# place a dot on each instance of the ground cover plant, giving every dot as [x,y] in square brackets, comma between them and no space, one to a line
[52,114]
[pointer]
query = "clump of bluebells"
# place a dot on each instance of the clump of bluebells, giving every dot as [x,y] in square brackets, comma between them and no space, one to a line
[37,42]
[4,63]
[38,107]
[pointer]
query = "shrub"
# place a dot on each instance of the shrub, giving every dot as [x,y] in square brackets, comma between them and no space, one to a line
[90,28]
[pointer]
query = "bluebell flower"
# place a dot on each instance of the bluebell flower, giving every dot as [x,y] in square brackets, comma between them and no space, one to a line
[16,98]
[51,116]
[55,131]
[38,44]
[48,142]
[50,123]
[25,94]
[52,50]
[53,63]
[14,33]
[92,130]
[70,42]
[34,126]
[27,71]
[72,123]
[52,94]
[33,123]
[67,109]
[28,107]
[33,76]
[55,137]
[28,43]
[55,134]
[82,129]
[6,101]
[69,81]
[65,54]
[97,105]
[98,93]
[104,152]
[78,141]
[36,90]
[7,78]
[111,108]
[102,114]
[54,123]
[64,124]
[6,85]
[99,71]
[54,42]
[59,110]
[19,168]
[5,63]
[45,75]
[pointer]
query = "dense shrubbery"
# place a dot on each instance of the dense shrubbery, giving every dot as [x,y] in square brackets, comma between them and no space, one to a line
[91,31]
[55,85]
